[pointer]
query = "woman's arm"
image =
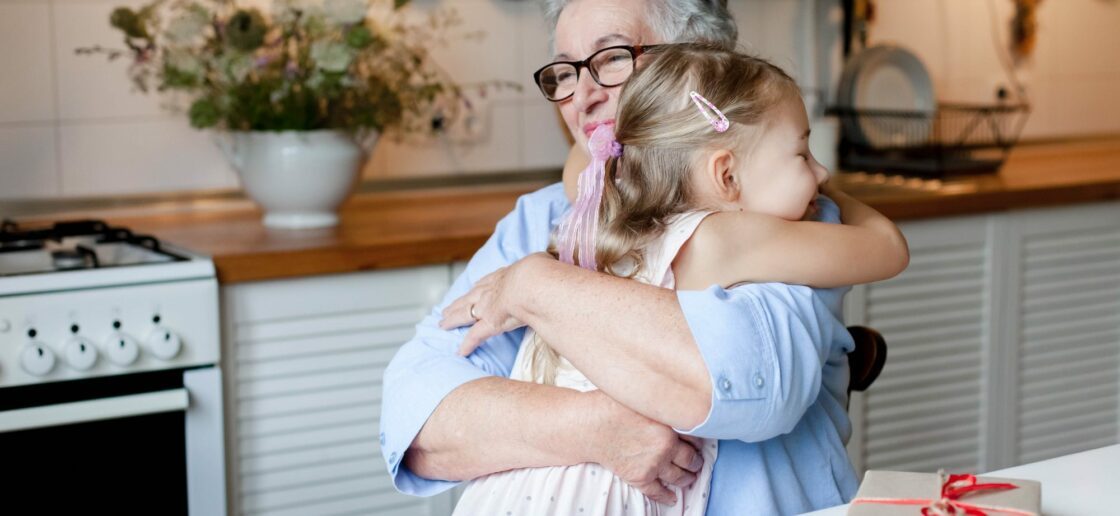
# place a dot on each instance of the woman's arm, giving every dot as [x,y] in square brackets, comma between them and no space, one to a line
[446,417]
[605,325]
[497,424]
[736,247]
[681,358]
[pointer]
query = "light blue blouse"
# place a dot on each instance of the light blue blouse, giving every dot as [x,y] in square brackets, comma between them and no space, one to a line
[777,355]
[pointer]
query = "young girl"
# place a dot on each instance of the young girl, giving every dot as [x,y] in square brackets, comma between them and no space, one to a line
[705,182]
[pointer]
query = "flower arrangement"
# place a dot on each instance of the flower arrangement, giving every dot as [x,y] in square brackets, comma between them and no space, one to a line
[356,65]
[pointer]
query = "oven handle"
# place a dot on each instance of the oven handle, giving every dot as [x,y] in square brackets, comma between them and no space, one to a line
[94,410]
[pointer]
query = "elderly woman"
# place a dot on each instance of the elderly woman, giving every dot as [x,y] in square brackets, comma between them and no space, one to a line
[752,367]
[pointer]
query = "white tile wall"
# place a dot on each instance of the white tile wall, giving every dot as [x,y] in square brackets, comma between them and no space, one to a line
[748,15]
[514,45]
[545,142]
[782,39]
[26,82]
[1088,105]
[495,55]
[92,87]
[126,157]
[1086,35]
[65,119]
[496,148]
[536,49]
[28,165]
[935,45]
[1070,79]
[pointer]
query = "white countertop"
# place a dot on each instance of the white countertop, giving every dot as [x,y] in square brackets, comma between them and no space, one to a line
[1082,484]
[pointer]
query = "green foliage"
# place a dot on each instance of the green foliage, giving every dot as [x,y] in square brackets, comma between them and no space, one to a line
[127,21]
[306,65]
[359,37]
[204,114]
[175,78]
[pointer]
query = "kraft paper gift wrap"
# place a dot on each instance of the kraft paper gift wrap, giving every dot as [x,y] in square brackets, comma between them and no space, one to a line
[1025,499]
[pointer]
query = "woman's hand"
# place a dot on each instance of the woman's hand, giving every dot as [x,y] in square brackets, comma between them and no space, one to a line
[488,307]
[642,452]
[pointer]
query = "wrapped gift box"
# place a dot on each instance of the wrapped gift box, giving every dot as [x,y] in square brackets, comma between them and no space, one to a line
[887,493]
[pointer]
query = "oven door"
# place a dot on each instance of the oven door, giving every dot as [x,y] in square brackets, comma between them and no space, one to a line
[142,443]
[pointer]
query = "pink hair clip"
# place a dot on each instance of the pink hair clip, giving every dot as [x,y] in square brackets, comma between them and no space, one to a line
[719,125]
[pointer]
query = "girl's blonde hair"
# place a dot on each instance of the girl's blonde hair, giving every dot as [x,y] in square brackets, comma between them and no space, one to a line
[663,137]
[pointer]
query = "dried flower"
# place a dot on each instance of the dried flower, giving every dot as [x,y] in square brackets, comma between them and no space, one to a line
[344,12]
[330,56]
[189,25]
[312,64]
[285,11]
[245,30]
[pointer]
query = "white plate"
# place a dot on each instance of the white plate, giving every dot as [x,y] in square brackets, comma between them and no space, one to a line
[888,77]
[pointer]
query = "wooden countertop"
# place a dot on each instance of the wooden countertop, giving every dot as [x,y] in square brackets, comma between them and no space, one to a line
[410,228]
[377,231]
[1034,176]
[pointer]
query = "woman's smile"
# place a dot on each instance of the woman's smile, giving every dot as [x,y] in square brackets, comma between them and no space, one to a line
[590,127]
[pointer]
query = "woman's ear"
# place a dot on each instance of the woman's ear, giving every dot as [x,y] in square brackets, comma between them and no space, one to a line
[719,171]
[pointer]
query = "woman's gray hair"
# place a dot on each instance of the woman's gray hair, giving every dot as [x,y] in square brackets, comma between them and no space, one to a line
[675,21]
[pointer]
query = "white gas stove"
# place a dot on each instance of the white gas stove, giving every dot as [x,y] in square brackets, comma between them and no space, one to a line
[83,299]
[109,339]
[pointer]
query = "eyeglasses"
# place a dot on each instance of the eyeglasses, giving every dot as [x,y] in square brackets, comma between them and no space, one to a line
[609,67]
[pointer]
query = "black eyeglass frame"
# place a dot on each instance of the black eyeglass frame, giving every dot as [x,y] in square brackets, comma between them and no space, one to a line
[636,51]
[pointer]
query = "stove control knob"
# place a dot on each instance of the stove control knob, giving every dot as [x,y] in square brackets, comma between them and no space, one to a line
[121,349]
[80,353]
[37,359]
[164,343]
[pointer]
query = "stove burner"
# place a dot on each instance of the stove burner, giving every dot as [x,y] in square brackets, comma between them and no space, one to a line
[74,245]
[10,231]
[80,257]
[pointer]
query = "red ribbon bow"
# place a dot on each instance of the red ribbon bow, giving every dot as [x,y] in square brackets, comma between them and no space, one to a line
[956,487]
[952,490]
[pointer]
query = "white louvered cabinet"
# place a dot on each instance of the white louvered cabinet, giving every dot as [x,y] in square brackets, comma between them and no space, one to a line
[305,359]
[1003,339]
[1068,330]
[923,412]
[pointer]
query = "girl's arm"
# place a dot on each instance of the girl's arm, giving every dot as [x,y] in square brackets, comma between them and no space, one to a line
[735,247]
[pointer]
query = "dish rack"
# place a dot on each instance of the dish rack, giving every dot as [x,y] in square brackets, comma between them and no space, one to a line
[954,139]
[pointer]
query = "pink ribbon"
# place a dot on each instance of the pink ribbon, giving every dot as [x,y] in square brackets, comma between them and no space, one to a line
[579,229]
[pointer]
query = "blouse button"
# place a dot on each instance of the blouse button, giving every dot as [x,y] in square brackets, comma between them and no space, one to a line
[725,384]
[758,381]
[393,458]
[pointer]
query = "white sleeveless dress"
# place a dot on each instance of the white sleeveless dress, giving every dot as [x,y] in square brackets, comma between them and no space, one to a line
[589,489]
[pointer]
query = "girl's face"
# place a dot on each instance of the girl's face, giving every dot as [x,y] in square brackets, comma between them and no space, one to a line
[779,176]
[584,27]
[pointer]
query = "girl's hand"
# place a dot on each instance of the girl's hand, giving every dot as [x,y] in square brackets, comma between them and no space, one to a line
[487,308]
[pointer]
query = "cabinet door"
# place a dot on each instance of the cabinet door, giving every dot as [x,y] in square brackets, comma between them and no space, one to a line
[304,361]
[924,410]
[1068,331]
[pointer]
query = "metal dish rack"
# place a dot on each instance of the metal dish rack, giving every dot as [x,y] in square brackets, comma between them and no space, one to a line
[955,139]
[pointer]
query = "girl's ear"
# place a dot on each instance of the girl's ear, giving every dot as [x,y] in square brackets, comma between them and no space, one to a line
[719,171]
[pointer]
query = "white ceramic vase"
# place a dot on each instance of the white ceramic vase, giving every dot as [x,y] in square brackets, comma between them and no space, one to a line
[298,178]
